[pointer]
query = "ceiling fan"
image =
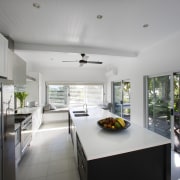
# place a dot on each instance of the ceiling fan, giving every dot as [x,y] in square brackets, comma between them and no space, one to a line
[84,60]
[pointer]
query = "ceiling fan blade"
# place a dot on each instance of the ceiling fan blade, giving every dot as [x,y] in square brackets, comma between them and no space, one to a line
[69,61]
[94,62]
[82,61]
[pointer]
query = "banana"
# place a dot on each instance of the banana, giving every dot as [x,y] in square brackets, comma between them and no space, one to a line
[121,122]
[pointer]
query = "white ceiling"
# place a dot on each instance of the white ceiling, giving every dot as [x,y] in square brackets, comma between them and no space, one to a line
[60,29]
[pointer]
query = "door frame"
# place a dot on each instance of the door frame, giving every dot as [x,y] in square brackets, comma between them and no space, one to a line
[171,75]
[121,95]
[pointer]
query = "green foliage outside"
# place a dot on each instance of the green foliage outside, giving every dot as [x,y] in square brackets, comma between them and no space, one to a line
[159,96]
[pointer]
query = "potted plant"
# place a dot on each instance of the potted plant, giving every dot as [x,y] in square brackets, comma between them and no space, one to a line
[21,96]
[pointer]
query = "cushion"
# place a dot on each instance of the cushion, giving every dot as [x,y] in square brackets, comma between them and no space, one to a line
[52,107]
[47,107]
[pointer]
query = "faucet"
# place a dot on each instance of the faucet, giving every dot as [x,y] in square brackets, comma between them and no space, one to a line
[85,105]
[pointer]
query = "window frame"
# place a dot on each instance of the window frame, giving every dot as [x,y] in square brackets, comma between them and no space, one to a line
[70,84]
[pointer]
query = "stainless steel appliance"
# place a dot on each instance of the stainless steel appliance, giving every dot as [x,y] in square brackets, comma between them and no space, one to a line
[7,135]
[26,133]
[23,134]
[17,143]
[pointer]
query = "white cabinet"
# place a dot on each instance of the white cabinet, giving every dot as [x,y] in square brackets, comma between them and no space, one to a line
[19,71]
[3,55]
[10,60]
[34,88]
[36,120]
[16,70]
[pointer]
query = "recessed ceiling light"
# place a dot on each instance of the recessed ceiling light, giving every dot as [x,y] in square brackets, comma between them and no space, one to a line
[99,16]
[36,5]
[145,25]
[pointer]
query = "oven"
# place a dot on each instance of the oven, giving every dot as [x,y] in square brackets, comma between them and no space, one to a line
[26,133]
[17,134]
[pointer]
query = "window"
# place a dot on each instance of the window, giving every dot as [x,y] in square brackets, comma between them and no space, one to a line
[57,95]
[74,94]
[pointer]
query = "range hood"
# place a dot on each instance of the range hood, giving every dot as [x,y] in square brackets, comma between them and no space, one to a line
[29,78]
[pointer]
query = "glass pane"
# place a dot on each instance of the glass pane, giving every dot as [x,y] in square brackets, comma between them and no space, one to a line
[177,112]
[57,95]
[126,100]
[77,95]
[89,94]
[121,99]
[159,105]
[94,94]
[117,98]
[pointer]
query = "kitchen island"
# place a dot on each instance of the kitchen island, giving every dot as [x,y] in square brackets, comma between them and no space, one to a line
[133,153]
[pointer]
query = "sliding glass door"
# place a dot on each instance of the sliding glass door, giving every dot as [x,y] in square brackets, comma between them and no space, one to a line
[159,107]
[163,107]
[121,98]
[177,112]
[117,98]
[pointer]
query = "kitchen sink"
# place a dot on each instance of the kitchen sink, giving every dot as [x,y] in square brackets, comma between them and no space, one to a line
[81,114]
[79,111]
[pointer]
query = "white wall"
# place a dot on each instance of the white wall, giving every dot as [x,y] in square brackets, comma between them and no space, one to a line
[69,75]
[163,57]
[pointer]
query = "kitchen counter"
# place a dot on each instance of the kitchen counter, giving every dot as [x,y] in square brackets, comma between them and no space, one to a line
[132,153]
[36,117]
[99,143]
[27,110]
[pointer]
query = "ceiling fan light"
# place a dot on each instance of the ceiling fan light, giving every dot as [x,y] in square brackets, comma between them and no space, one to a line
[99,16]
[36,5]
[145,25]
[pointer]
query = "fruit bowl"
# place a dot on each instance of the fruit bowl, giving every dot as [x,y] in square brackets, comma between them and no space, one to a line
[113,124]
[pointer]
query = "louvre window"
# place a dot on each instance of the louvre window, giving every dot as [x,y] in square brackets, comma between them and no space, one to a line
[74,94]
[57,95]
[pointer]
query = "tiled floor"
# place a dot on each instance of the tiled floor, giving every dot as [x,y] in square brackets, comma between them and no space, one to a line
[50,157]
[175,166]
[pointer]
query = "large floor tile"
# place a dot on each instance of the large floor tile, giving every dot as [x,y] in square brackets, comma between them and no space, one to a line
[175,166]
[50,155]
[64,176]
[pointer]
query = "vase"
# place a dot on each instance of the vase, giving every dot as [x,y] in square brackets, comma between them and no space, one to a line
[21,104]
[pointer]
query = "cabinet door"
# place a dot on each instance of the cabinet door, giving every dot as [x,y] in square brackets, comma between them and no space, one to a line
[82,161]
[3,55]
[19,71]
[36,121]
[10,60]
[34,88]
